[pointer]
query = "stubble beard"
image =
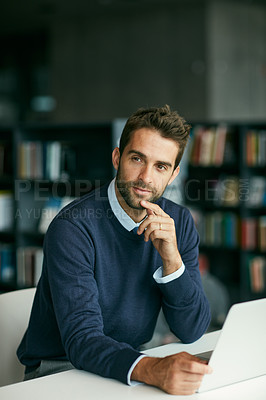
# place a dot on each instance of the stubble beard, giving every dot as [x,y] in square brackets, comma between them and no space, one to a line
[133,200]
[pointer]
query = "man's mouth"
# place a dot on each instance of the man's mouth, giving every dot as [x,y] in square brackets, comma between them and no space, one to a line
[141,191]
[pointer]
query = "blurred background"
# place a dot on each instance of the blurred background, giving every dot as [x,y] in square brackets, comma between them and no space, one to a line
[96,60]
[71,72]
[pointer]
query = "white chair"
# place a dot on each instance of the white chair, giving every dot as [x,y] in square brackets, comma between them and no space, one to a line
[15,310]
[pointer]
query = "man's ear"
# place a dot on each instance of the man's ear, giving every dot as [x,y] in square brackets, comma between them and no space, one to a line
[116,158]
[174,175]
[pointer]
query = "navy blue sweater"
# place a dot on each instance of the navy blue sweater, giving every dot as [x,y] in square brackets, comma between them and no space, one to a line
[97,301]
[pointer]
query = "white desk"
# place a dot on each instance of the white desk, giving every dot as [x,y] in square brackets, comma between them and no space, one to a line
[81,385]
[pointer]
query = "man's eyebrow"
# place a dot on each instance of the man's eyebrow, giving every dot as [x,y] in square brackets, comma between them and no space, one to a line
[145,157]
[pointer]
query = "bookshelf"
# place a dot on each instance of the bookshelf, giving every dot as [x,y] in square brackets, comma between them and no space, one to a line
[226,192]
[253,227]
[7,231]
[43,167]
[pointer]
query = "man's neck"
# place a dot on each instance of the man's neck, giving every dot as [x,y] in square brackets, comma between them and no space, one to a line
[135,214]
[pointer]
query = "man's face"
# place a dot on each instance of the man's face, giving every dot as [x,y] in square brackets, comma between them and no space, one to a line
[145,168]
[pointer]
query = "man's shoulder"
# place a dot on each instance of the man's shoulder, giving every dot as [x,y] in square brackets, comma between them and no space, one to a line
[94,200]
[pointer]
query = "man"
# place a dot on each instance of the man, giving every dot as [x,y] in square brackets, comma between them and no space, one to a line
[102,284]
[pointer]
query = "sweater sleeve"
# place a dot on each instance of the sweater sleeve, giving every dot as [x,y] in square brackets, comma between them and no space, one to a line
[185,305]
[70,266]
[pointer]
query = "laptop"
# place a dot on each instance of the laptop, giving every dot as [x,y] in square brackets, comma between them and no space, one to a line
[240,352]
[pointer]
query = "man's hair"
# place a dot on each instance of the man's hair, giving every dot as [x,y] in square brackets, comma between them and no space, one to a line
[168,123]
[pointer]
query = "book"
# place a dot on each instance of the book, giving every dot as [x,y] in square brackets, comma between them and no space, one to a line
[255,148]
[212,146]
[219,145]
[6,210]
[7,263]
[257,191]
[249,233]
[257,274]
[228,191]
[262,233]
[206,147]
[52,160]
[29,265]
[217,228]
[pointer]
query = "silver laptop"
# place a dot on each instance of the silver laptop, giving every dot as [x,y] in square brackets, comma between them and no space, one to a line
[240,352]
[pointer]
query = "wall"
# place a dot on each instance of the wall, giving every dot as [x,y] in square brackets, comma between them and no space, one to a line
[236,48]
[107,65]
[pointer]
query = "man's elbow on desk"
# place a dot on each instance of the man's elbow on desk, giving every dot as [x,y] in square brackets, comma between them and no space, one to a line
[197,328]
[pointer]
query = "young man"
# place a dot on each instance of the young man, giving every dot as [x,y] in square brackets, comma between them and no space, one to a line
[112,259]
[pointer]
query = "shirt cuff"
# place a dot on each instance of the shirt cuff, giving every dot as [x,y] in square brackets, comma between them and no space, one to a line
[159,278]
[129,381]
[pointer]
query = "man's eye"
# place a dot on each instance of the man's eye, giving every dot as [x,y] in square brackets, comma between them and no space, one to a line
[161,167]
[135,158]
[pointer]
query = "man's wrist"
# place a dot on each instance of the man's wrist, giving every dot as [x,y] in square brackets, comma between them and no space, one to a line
[159,278]
[141,372]
[169,267]
[130,380]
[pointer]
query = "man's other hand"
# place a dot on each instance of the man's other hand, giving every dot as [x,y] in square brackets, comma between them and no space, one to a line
[178,374]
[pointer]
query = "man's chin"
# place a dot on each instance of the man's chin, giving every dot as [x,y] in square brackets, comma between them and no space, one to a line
[136,206]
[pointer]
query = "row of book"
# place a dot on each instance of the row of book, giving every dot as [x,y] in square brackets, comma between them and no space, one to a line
[225,229]
[257,274]
[218,229]
[232,191]
[211,146]
[52,160]
[253,233]
[29,265]
[228,191]
[255,148]
[23,266]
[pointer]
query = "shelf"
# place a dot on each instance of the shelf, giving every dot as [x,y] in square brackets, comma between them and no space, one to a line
[6,180]
[252,252]
[215,169]
[42,161]
[8,287]
[89,166]
[206,190]
[220,249]
[31,234]
[7,236]
[211,206]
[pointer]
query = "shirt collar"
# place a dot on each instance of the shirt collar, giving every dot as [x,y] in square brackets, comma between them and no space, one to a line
[118,211]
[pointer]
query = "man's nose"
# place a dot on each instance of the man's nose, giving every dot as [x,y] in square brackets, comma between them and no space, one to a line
[146,174]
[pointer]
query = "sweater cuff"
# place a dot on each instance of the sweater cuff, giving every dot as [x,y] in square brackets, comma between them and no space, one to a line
[159,278]
[178,291]
[123,364]
[129,381]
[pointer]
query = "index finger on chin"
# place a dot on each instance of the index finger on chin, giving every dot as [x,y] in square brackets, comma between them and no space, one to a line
[153,207]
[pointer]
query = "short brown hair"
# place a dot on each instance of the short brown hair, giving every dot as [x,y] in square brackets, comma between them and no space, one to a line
[168,123]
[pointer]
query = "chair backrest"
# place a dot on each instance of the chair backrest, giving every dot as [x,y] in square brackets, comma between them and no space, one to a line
[15,310]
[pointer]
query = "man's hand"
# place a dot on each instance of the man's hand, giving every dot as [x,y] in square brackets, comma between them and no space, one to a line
[160,229]
[178,374]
